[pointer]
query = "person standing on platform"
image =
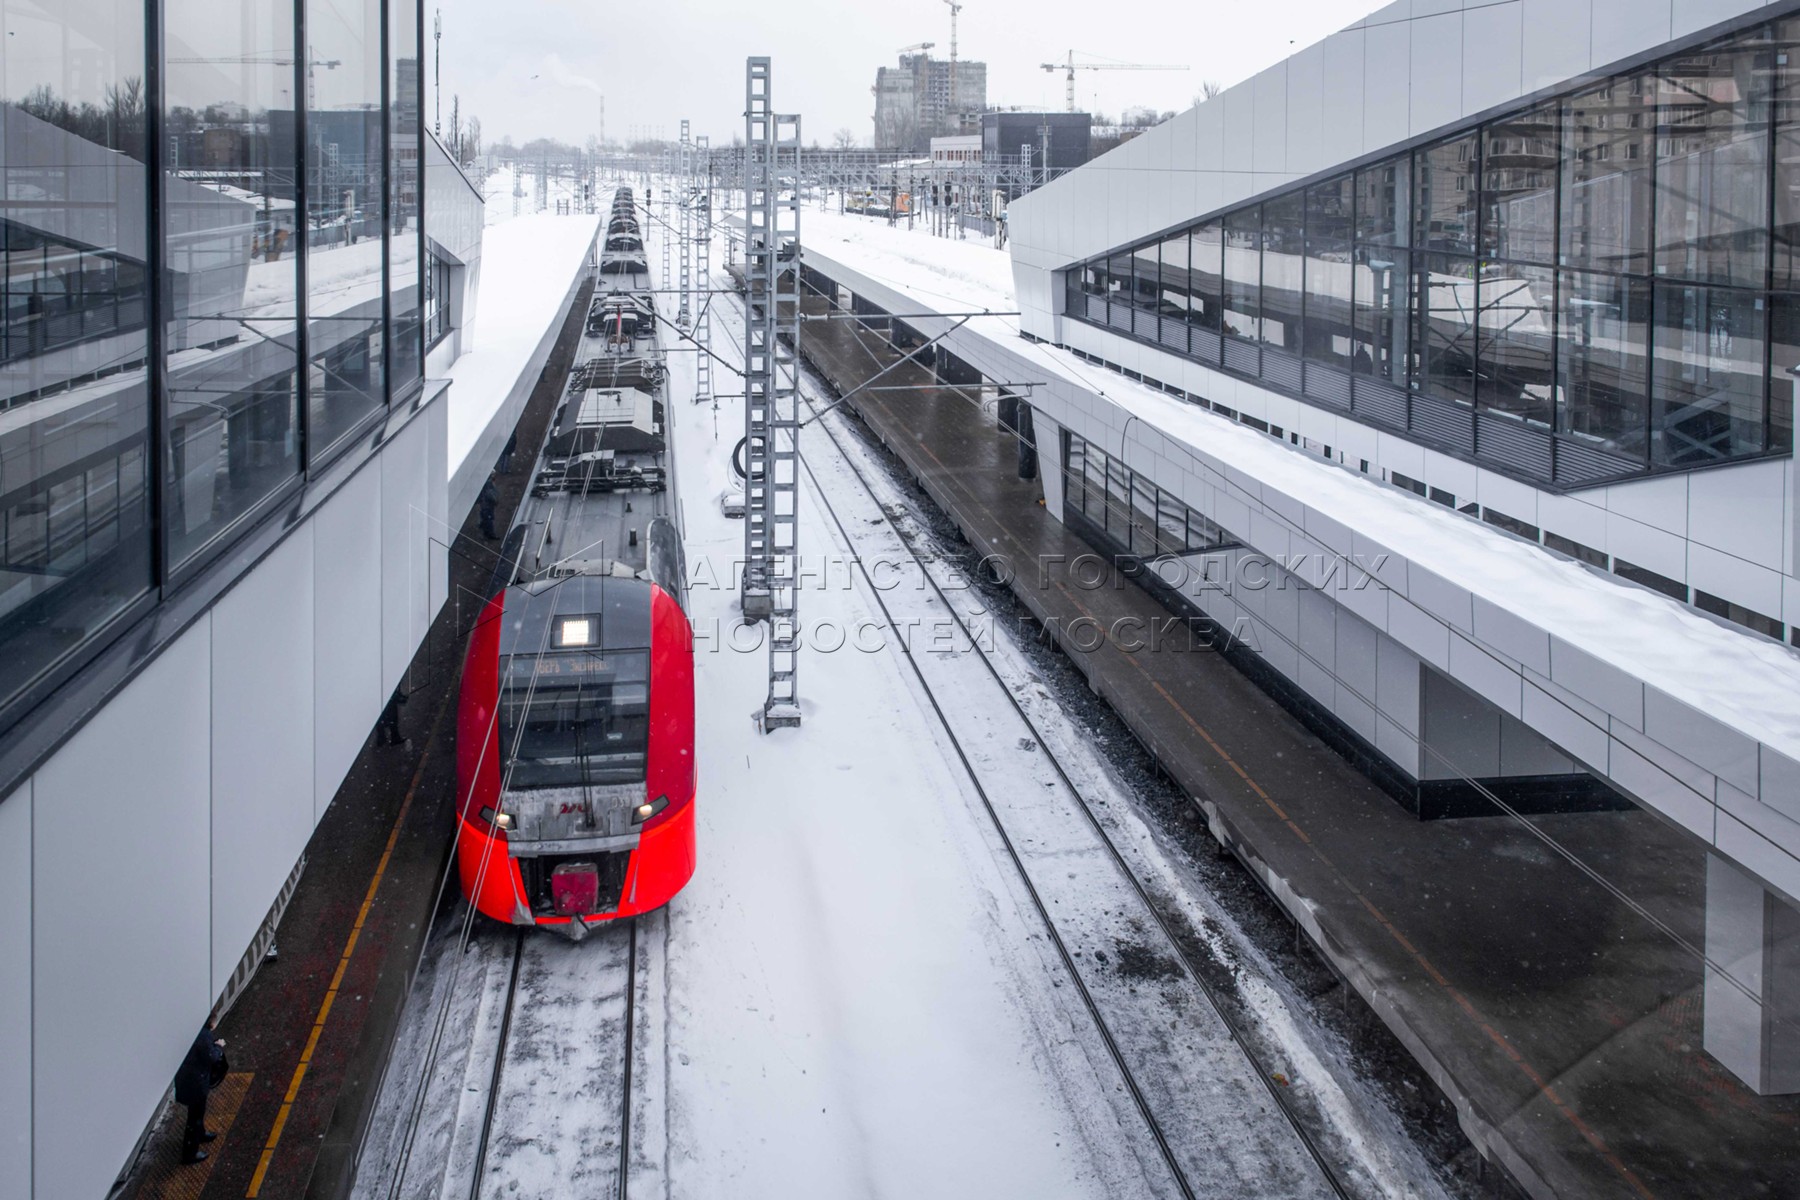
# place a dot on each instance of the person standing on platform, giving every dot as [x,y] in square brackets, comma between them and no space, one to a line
[388,729]
[512,443]
[488,501]
[200,1072]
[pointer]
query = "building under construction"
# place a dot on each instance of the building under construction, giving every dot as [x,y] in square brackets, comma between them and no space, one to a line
[925,97]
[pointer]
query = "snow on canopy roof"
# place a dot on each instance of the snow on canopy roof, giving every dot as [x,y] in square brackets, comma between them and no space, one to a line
[1748,682]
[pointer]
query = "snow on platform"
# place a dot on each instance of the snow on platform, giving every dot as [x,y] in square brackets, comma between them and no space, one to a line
[1748,683]
[530,269]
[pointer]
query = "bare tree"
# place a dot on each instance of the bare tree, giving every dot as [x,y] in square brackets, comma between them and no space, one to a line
[843,139]
[1210,88]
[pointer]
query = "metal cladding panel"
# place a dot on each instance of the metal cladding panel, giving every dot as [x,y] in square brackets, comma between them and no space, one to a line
[346,630]
[15,993]
[405,561]
[120,981]
[262,743]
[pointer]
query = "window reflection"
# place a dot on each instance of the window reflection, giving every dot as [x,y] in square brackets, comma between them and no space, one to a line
[1284,262]
[1516,342]
[1603,361]
[74,405]
[1608,144]
[232,374]
[344,182]
[1208,250]
[405,304]
[1243,273]
[1443,301]
[1518,188]
[1330,274]
[1447,208]
[1707,390]
[1712,167]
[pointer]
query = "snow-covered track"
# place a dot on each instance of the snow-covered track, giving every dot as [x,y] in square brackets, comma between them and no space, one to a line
[1217,1117]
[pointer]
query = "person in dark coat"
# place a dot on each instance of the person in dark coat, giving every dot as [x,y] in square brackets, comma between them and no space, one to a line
[512,443]
[197,1076]
[388,729]
[488,501]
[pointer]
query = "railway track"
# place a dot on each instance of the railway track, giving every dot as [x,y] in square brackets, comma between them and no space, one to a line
[998,742]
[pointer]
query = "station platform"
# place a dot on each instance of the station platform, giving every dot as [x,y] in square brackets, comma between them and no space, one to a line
[1562,1025]
[308,1038]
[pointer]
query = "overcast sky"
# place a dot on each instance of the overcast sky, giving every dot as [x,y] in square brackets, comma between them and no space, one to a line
[539,67]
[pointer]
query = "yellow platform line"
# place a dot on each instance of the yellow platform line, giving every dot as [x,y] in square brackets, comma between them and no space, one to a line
[337,977]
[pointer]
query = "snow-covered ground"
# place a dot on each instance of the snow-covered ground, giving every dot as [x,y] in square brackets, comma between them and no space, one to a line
[857,995]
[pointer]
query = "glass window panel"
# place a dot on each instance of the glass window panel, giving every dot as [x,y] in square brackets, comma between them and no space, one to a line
[1330,274]
[1093,279]
[232,371]
[1145,270]
[1383,193]
[1446,180]
[1784,370]
[1383,335]
[1603,361]
[1175,299]
[405,235]
[74,511]
[1786,224]
[1208,258]
[1708,393]
[1608,146]
[1517,342]
[1443,304]
[1284,265]
[1118,278]
[1243,273]
[1518,187]
[1712,201]
[344,182]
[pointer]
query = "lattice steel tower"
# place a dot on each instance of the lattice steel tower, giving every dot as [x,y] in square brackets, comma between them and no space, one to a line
[684,201]
[771,386]
[703,199]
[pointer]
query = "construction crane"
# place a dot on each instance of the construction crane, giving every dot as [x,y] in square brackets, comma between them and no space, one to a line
[274,58]
[917,46]
[955,7]
[1071,66]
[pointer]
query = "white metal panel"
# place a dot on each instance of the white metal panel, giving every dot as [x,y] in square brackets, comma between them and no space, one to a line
[1239,104]
[1692,16]
[1557,40]
[262,743]
[1342,122]
[1437,72]
[15,993]
[1729,577]
[1268,151]
[120,990]
[1626,27]
[1573,517]
[1643,546]
[437,425]
[1492,54]
[405,564]
[1720,501]
[1660,502]
[347,695]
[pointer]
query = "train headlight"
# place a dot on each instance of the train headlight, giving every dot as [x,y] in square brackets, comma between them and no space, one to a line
[644,812]
[497,820]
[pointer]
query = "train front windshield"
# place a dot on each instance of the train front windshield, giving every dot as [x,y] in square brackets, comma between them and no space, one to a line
[575,718]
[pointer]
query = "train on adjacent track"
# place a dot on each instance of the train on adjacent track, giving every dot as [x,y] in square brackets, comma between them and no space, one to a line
[575,728]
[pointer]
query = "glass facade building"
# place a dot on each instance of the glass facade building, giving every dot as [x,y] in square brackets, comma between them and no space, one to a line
[1597,286]
[212,241]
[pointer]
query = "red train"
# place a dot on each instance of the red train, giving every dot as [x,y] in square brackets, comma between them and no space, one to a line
[575,728]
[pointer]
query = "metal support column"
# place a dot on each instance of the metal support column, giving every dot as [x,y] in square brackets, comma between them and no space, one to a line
[771,387]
